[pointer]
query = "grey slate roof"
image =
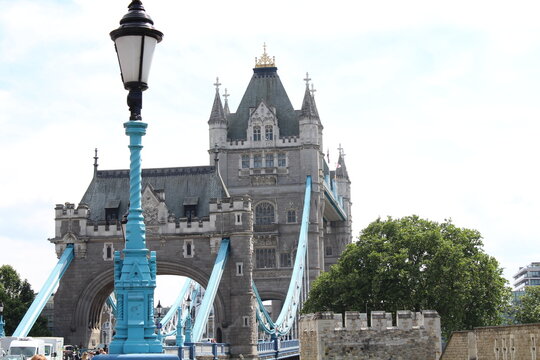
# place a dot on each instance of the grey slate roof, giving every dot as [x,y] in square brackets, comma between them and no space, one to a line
[266,85]
[179,184]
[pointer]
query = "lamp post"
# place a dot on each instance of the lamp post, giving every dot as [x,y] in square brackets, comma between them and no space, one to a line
[159,310]
[179,329]
[2,323]
[188,320]
[135,272]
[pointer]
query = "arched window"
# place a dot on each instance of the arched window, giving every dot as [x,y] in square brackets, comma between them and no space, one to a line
[268,132]
[256,133]
[264,213]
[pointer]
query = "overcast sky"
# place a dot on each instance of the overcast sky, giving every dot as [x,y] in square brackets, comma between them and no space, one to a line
[436,105]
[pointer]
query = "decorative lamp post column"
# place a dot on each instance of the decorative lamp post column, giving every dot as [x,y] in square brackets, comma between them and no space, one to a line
[179,329]
[188,321]
[135,272]
[2,323]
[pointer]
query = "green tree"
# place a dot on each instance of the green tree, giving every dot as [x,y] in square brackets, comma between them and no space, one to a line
[17,296]
[415,264]
[528,308]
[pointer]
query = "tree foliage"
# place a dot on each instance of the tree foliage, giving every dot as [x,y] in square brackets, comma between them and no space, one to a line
[415,264]
[17,296]
[528,306]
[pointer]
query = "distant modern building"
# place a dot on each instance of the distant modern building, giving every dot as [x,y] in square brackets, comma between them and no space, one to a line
[527,276]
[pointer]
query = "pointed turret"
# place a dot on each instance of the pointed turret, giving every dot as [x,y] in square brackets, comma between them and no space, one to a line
[226,106]
[217,115]
[341,169]
[309,110]
[310,124]
[217,121]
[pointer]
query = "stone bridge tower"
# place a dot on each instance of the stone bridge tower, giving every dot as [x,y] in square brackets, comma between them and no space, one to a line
[267,148]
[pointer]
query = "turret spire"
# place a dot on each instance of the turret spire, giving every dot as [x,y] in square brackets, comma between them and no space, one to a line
[218,114]
[341,169]
[226,106]
[95,162]
[309,109]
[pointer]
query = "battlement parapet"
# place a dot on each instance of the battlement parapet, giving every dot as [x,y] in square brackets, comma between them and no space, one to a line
[234,203]
[415,335]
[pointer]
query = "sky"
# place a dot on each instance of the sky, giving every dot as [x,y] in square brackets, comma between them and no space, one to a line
[435,104]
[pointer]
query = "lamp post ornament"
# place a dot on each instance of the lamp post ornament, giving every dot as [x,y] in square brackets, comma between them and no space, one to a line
[135,271]
[2,323]
[188,321]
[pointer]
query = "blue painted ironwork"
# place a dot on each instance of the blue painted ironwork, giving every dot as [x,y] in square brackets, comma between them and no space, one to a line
[211,290]
[45,293]
[2,323]
[135,274]
[287,316]
[112,304]
[180,329]
[278,349]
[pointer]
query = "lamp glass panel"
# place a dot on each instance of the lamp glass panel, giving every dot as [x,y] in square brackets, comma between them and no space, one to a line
[129,55]
[149,46]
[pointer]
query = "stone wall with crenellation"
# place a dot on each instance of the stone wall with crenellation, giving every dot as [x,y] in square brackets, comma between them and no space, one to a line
[415,336]
[513,342]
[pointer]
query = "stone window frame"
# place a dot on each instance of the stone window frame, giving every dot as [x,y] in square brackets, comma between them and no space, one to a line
[239,269]
[256,133]
[269,132]
[282,159]
[189,248]
[245,161]
[237,218]
[269,160]
[265,216]
[108,246]
[264,258]
[257,161]
[283,261]
[328,251]
[292,216]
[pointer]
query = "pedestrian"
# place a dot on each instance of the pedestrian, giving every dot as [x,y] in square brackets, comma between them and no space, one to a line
[38,357]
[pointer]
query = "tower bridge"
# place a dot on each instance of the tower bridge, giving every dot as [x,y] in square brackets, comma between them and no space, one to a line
[253,195]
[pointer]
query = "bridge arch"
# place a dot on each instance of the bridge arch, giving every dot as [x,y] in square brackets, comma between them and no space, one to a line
[94,294]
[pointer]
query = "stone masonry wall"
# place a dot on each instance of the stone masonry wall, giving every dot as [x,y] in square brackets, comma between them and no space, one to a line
[416,336]
[514,342]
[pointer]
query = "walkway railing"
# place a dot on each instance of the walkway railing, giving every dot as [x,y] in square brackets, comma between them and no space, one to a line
[278,349]
[192,350]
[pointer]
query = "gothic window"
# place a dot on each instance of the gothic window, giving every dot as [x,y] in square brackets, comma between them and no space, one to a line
[257,161]
[329,251]
[269,160]
[188,248]
[268,132]
[282,160]
[264,214]
[285,260]
[245,161]
[256,133]
[108,251]
[291,216]
[265,258]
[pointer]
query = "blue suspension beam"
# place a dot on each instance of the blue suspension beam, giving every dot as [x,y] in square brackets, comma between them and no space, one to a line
[45,293]
[286,318]
[211,290]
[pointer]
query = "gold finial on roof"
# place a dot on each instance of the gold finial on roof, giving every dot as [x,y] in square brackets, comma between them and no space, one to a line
[265,60]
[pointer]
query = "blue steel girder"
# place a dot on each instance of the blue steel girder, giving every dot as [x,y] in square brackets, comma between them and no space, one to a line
[45,293]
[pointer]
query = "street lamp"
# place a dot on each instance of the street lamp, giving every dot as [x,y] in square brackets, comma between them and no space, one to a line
[159,310]
[188,320]
[135,273]
[135,41]
[2,323]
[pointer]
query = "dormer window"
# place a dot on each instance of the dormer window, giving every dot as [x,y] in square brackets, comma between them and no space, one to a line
[256,133]
[190,207]
[112,212]
[268,132]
